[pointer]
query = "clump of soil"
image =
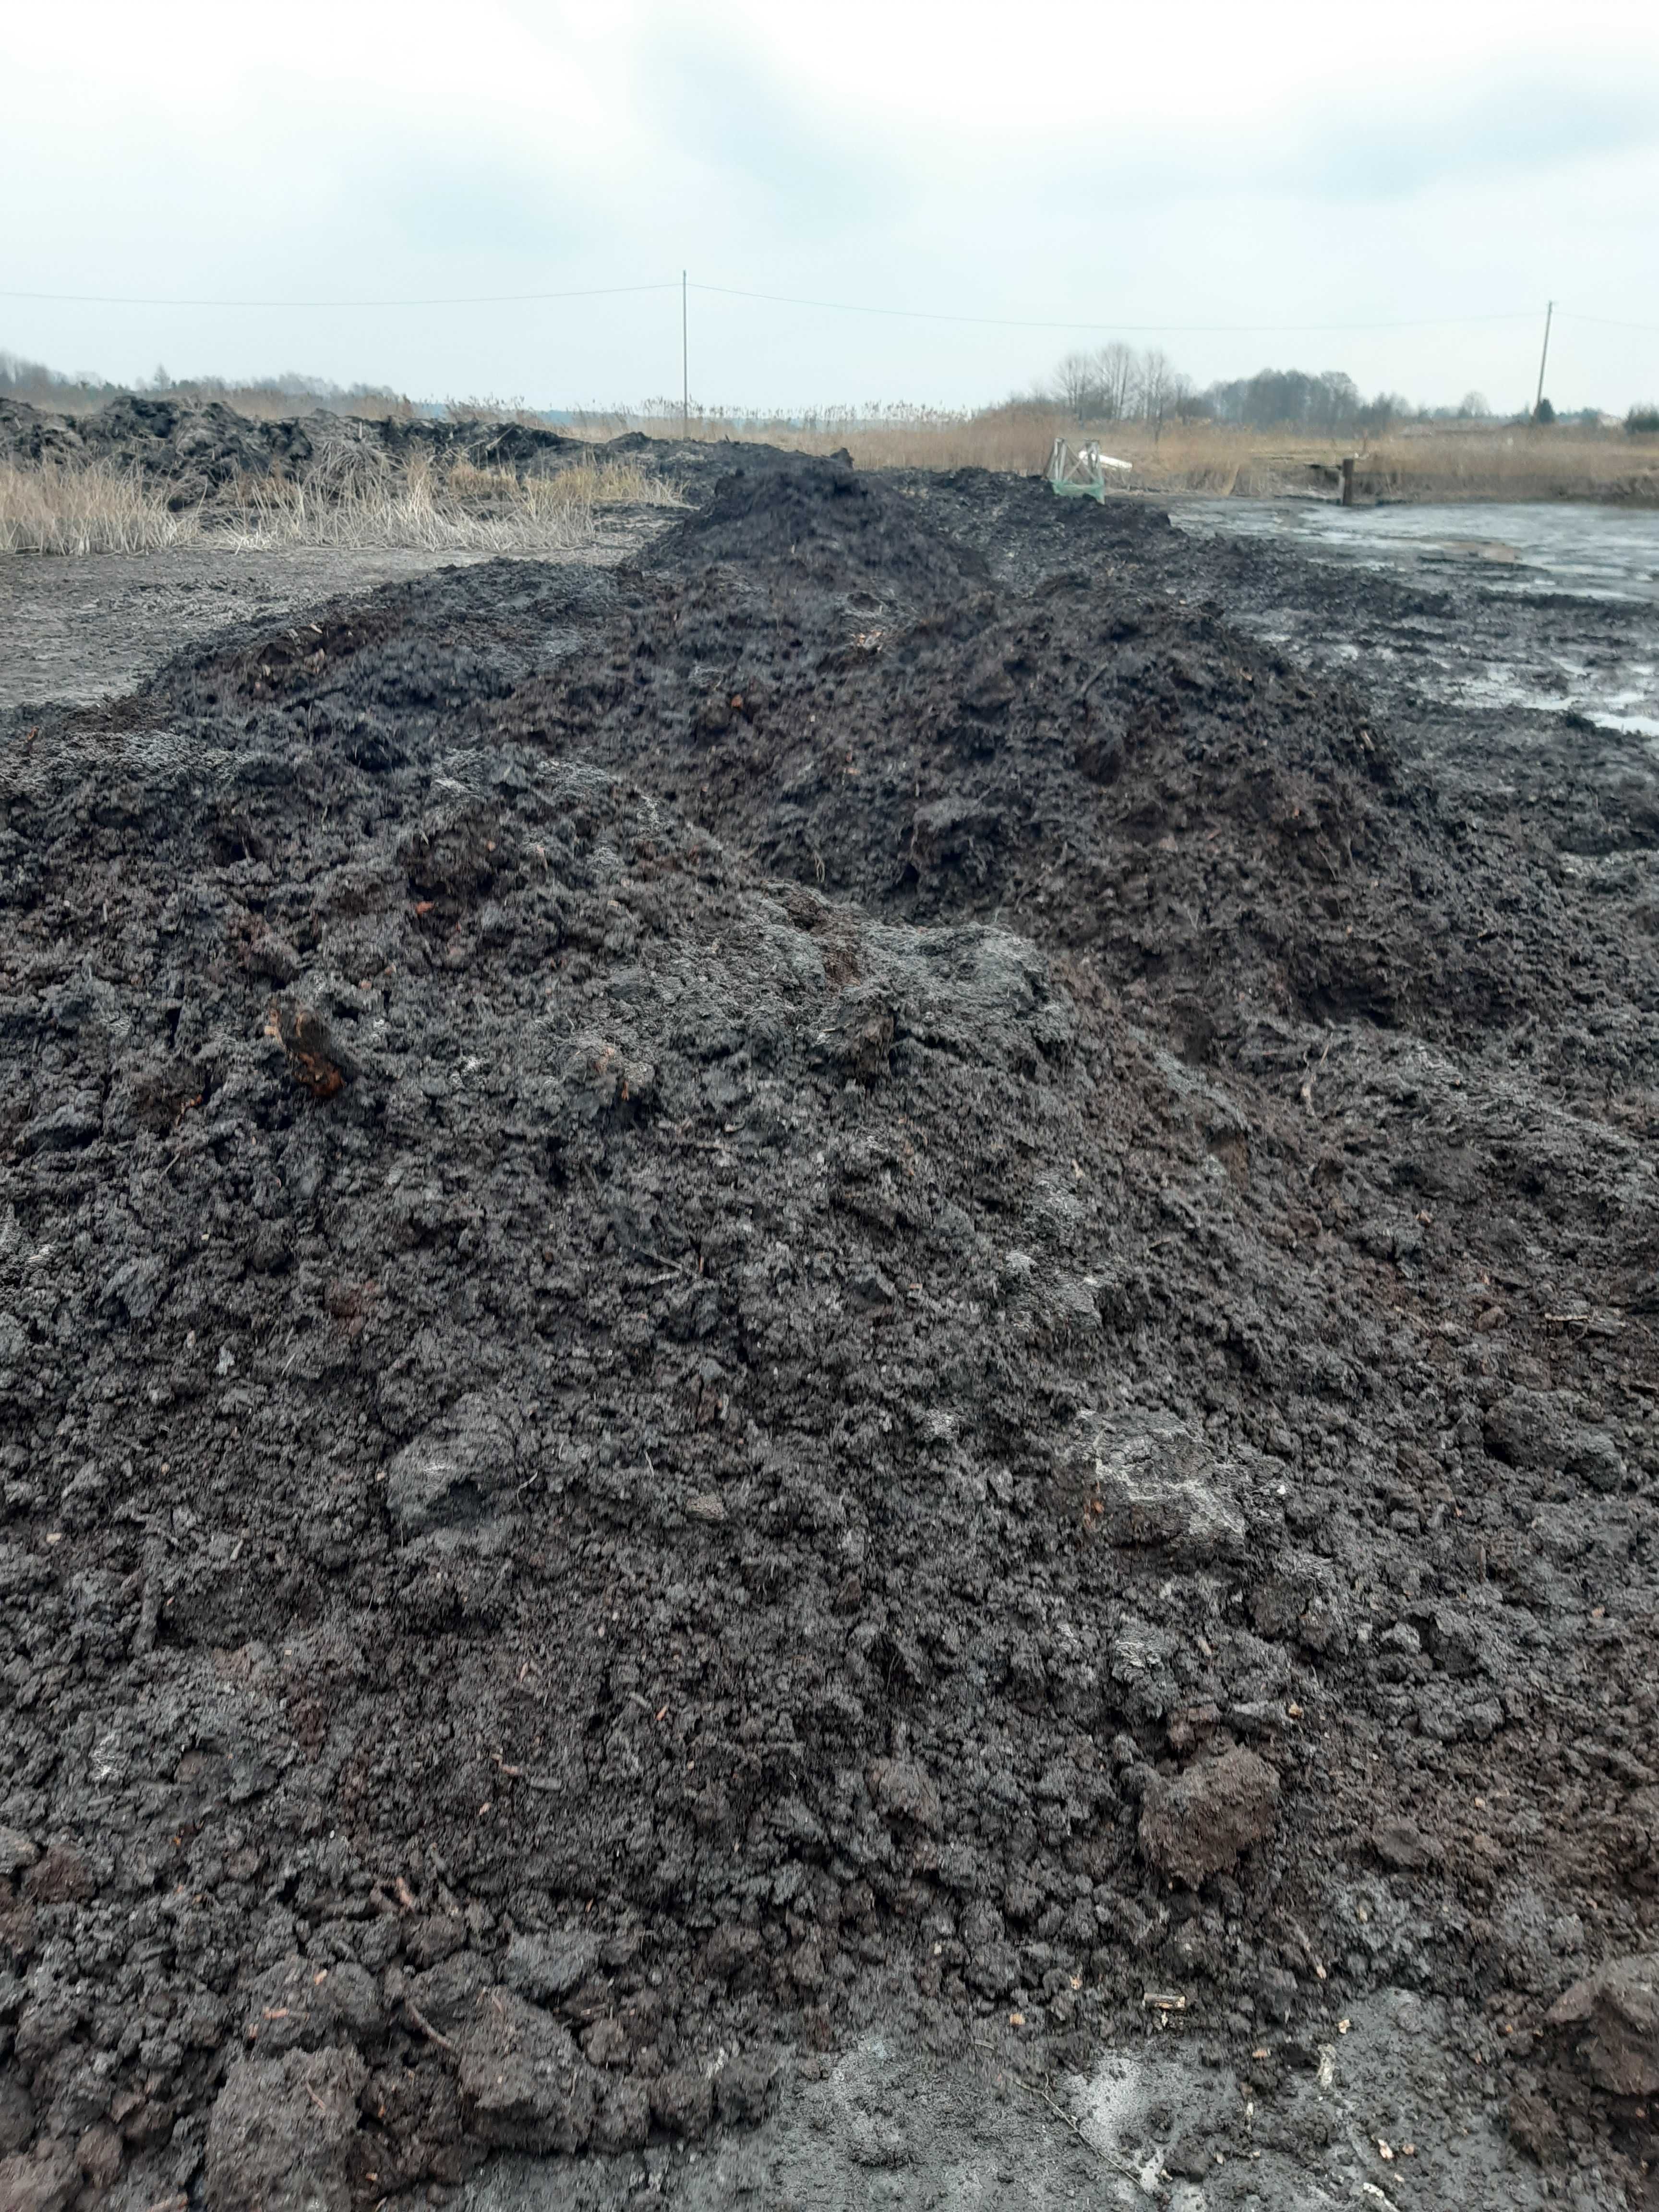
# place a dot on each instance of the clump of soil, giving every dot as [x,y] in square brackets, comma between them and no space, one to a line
[798,1290]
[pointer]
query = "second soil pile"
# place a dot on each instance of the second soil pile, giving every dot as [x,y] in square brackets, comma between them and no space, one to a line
[821,1284]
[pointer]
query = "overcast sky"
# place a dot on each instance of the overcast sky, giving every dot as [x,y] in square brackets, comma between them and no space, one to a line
[1140,171]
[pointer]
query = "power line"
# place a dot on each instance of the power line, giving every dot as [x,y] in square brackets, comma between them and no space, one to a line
[475,299]
[832,306]
[1017,323]
[1611,322]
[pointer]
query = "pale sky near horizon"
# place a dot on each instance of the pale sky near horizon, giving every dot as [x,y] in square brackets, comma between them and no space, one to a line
[1227,181]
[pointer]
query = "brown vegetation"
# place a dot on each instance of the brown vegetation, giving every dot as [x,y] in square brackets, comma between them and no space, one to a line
[375,502]
[1450,461]
[355,494]
[46,507]
[351,498]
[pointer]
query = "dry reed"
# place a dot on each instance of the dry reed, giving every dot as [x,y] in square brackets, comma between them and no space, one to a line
[350,497]
[354,495]
[1504,462]
[46,507]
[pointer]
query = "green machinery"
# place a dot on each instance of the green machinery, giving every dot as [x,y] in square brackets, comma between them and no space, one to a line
[1081,474]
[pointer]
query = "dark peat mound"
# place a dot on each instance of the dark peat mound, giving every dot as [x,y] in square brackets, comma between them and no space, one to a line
[795,1290]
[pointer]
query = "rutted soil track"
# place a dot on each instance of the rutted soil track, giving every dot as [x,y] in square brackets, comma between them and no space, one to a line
[824,1283]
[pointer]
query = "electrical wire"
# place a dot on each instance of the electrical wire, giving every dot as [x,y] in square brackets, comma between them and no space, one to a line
[477,299]
[1610,322]
[1017,323]
[832,306]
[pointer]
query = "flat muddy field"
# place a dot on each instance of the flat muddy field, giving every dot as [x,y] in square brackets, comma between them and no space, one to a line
[826,1376]
[77,631]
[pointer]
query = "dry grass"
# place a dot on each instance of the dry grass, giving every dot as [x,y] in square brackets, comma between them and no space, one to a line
[576,487]
[1514,463]
[46,509]
[1435,462]
[351,498]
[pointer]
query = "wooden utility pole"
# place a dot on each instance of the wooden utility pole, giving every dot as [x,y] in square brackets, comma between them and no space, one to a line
[685,360]
[1543,360]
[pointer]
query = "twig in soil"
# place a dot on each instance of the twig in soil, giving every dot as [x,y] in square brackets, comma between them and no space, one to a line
[1308,1086]
[425,2026]
[1041,2090]
[1305,1941]
[661,1259]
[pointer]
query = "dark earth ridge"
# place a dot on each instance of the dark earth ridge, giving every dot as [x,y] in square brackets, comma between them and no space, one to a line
[662,1400]
[202,451]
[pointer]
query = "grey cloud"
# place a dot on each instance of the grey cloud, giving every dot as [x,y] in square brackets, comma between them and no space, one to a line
[794,164]
[1528,125]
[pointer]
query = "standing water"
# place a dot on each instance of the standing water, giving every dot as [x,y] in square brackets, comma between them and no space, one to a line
[1555,602]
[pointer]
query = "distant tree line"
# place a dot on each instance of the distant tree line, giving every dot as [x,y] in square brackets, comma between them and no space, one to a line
[317,390]
[1119,383]
[31,381]
[49,388]
[1330,404]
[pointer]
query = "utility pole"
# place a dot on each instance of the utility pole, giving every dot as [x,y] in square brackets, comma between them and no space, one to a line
[685,360]
[1543,360]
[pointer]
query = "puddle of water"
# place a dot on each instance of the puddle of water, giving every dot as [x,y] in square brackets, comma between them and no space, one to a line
[1593,556]
[1602,552]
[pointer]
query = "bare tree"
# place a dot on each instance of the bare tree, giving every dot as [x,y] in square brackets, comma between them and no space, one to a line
[1116,371]
[1185,404]
[1115,382]
[1075,384]
[1157,383]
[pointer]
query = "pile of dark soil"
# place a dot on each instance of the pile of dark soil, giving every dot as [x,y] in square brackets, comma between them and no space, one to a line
[827,1284]
[202,451]
[1110,772]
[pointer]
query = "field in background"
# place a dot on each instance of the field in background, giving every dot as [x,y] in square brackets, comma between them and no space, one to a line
[1448,461]
[362,502]
[354,494]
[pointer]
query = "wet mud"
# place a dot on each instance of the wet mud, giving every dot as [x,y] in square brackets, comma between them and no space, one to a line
[864,1281]
[93,627]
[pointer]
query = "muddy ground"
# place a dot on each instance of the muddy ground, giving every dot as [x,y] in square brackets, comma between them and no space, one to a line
[862,1289]
[85,630]
[81,630]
